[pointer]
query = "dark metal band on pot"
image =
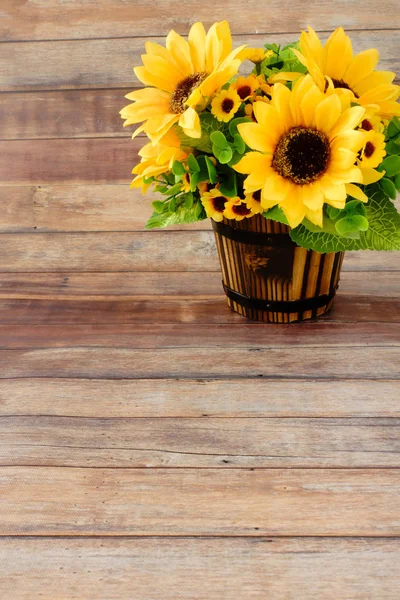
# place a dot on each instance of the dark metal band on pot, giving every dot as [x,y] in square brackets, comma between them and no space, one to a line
[283,306]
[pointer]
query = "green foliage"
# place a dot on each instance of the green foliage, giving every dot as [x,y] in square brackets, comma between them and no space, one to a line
[203,144]
[187,211]
[388,187]
[178,169]
[383,232]
[276,214]
[391,165]
[283,59]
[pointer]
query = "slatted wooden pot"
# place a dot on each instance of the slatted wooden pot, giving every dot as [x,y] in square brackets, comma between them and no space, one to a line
[267,277]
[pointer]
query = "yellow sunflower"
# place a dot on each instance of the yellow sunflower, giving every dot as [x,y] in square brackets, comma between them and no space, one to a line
[215,203]
[253,202]
[255,55]
[335,62]
[182,77]
[245,86]
[237,210]
[305,150]
[225,104]
[157,159]
[373,152]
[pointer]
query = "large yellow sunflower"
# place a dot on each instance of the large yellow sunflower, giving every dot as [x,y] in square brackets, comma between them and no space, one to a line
[305,150]
[356,74]
[183,76]
[157,159]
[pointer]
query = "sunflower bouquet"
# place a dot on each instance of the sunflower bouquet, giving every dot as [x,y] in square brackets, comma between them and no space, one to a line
[310,138]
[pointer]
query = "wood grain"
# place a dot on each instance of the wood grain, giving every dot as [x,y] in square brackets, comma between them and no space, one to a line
[346,309]
[222,569]
[72,501]
[48,19]
[79,208]
[90,160]
[187,398]
[65,114]
[103,63]
[352,363]
[130,285]
[160,250]
[322,334]
[199,443]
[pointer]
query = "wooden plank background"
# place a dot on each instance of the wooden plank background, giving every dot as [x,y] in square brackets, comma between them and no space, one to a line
[153,444]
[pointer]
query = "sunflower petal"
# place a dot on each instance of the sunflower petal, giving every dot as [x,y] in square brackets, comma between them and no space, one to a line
[255,137]
[190,123]
[197,44]
[355,192]
[361,66]
[349,119]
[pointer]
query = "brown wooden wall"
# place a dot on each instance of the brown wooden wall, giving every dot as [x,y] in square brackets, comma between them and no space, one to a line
[147,450]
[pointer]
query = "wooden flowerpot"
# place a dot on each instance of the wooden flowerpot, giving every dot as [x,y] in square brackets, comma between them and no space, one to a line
[267,277]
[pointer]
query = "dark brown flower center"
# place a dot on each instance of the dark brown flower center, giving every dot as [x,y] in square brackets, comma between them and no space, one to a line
[244,91]
[339,83]
[219,203]
[227,105]
[369,149]
[241,209]
[366,125]
[302,155]
[180,95]
[257,196]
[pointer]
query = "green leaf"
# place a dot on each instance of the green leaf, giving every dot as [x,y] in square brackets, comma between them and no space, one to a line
[397,182]
[228,185]
[360,222]
[175,189]
[178,169]
[239,144]
[383,232]
[392,147]
[391,165]
[218,139]
[224,156]
[276,214]
[180,216]
[388,187]
[212,171]
[158,206]
[189,200]
[393,127]
[193,164]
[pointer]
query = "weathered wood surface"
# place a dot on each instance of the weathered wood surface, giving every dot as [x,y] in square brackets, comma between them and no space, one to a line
[346,309]
[50,441]
[137,251]
[111,286]
[105,63]
[367,362]
[187,398]
[251,502]
[133,402]
[222,568]
[322,334]
[48,19]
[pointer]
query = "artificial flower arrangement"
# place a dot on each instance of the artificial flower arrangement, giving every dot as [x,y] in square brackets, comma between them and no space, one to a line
[307,145]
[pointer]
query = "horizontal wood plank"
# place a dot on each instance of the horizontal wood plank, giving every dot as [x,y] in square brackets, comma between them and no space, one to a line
[322,334]
[90,160]
[352,363]
[77,501]
[346,309]
[157,250]
[102,63]
[79,208]
[222,568]
[130,285]
[63,114]
[49,19]
[199,443]
[154,398]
